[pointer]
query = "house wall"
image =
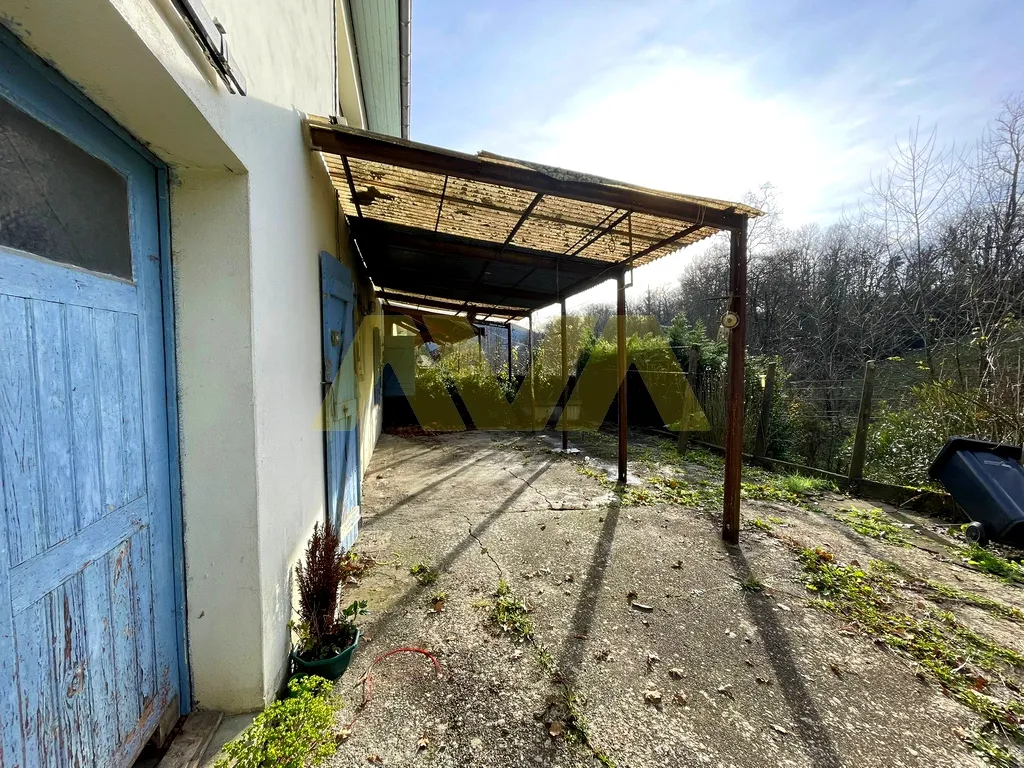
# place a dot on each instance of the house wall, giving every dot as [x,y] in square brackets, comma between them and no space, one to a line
[251,208]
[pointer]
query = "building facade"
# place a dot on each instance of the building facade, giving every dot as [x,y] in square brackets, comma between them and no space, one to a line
[193,458]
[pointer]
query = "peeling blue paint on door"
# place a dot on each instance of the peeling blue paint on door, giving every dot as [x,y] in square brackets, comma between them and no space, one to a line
[341,409]
[88,642]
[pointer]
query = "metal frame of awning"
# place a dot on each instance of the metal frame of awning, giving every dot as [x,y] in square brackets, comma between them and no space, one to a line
[486,236]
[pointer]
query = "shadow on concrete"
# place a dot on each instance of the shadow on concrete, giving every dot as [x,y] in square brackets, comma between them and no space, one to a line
[809,727]
[370,521]
[571,658]
[398,608]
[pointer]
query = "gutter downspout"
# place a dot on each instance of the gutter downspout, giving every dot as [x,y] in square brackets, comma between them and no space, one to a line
[405,60]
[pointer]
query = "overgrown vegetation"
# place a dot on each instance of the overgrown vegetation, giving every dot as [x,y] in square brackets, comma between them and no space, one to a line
[296,732]
[874,523]
[973,670]
[987,561]
[801,485]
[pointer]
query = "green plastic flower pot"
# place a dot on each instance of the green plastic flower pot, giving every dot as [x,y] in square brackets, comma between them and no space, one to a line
[331,668]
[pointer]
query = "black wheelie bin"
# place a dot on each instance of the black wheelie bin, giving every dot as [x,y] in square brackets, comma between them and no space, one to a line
[987,481]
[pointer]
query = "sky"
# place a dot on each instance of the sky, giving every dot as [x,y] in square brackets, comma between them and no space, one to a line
[712,97]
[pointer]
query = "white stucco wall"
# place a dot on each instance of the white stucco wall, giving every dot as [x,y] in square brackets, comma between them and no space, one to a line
[251,208]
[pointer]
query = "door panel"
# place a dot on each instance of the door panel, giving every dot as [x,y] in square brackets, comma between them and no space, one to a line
[341,400]
[88,648]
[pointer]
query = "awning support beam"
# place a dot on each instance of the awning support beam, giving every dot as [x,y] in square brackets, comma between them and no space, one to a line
[565,383]
[390,297]
[735,375]
[620,342]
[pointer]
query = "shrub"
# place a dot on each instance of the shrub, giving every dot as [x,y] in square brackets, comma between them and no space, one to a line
[322,632]
[295,732]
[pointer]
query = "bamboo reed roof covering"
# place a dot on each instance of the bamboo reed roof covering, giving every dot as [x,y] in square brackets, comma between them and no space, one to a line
[489,235]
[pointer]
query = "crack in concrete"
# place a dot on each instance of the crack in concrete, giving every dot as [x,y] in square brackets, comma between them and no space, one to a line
[483,548]
[534,488]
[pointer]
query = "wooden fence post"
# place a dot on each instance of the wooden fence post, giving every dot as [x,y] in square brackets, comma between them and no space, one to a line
[692,372]
[860,441]
[764,423]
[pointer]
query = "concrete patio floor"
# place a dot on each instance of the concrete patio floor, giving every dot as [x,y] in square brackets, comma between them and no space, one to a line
[745,678]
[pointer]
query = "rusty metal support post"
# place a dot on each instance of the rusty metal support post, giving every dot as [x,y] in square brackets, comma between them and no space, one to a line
[509,329]
[764,422]
[734,403]
[565,383]
[529,355]
[620,322]
[860,442]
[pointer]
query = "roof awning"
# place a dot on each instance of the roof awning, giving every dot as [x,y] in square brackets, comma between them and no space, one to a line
[485,235]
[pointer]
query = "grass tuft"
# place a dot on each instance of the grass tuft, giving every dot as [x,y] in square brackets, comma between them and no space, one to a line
[801,485]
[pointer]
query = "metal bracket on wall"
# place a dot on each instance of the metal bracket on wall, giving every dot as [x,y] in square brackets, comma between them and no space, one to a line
[213,37]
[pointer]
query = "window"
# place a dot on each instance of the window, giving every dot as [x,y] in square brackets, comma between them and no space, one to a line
[59,202]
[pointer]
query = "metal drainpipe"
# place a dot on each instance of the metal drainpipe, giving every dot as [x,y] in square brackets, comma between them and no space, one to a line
[405,60]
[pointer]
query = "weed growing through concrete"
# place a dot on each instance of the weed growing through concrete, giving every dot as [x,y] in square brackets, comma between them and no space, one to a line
[511,614]
[992,564]
[593,472]
[873,522]
[944,592]
[677,491]
[960,660]
[424,574]
[752,583]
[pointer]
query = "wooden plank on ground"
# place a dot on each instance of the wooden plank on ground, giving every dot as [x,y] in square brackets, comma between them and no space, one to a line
[188,747]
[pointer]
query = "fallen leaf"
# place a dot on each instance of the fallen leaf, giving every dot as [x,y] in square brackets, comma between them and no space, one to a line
[676,673]
[980,683]
[438,606]
[556,728]
[375,759]
[342,735]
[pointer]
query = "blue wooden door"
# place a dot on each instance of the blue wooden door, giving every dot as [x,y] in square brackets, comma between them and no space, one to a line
[88,649]
[341,410]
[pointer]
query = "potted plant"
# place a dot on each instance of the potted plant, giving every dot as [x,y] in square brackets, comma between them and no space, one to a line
[326,636]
